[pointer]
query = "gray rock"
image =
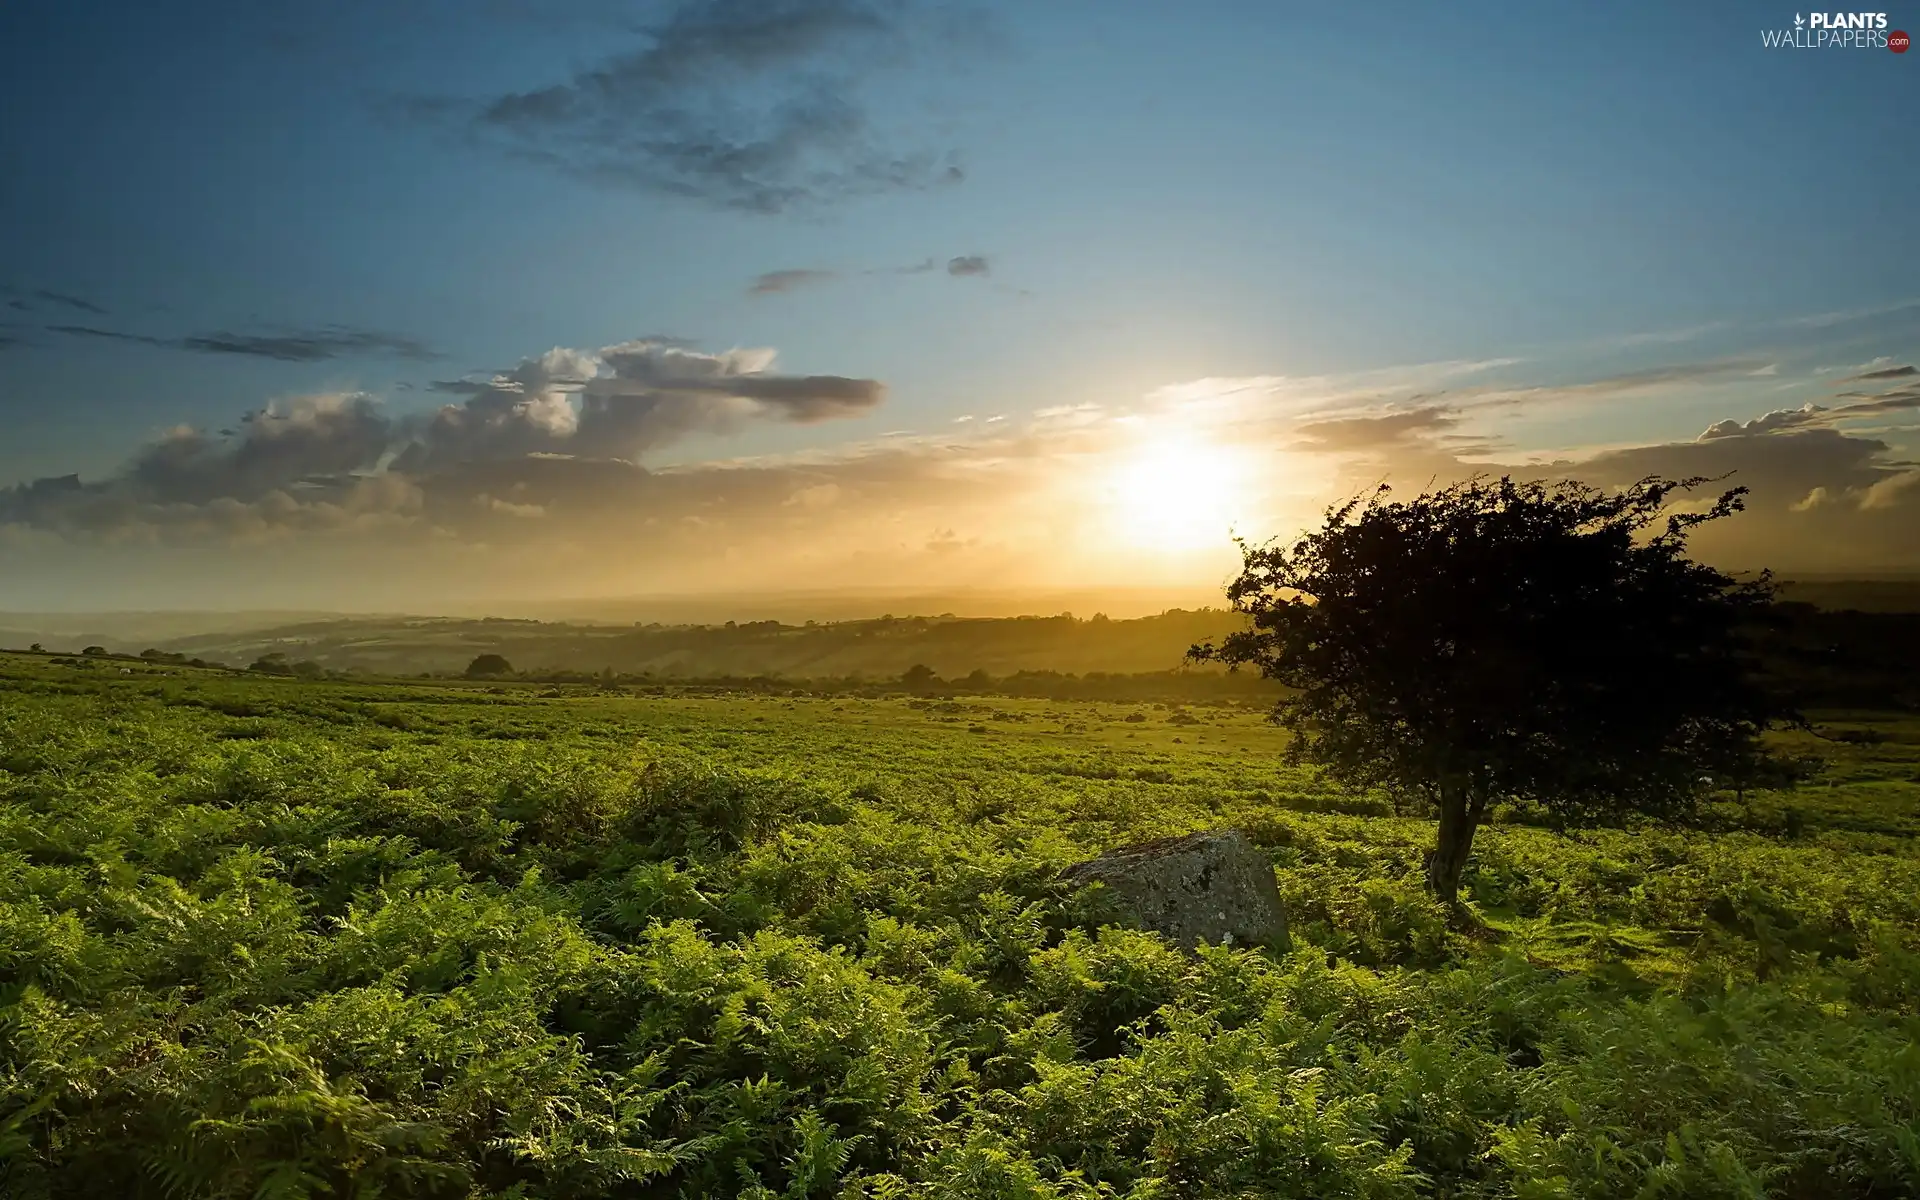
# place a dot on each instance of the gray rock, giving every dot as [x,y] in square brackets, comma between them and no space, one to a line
[1214,887]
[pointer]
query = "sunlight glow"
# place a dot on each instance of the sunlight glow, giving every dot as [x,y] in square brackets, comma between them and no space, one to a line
[1178,493]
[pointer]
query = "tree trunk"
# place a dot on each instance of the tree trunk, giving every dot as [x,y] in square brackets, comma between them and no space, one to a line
[1449,858]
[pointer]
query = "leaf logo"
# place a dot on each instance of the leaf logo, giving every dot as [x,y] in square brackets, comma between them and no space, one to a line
[1798,20]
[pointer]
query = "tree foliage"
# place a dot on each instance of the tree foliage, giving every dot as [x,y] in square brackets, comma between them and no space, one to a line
[488,666]
[1499,639]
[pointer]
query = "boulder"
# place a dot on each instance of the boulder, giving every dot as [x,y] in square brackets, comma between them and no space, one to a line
[1215,887]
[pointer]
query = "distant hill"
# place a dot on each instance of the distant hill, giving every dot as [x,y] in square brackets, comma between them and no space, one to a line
[1859,630]
[1859,595]
[875,649]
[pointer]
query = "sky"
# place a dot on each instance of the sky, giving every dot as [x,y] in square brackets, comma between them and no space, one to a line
[422,304]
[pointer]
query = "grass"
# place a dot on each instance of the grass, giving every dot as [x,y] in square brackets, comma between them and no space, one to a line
[268,937]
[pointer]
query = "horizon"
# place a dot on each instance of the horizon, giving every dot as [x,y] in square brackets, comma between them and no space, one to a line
[426,309]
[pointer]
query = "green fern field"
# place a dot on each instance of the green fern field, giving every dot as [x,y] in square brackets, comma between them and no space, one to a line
[272,937]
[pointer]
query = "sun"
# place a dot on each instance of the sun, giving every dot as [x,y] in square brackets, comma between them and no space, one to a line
[1175,494]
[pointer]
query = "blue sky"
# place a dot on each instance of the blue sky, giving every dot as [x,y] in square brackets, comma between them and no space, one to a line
[998,210]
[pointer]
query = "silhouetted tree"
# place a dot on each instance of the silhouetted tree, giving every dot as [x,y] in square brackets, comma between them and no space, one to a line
[1504,640]
[94,651]
[489,666]
[919,675]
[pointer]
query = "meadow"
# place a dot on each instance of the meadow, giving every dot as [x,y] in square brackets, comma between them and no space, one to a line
[265,936]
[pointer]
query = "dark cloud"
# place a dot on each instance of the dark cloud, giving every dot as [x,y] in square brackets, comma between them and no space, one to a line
[1374,432]
[301,346]
[21,300]
[1898,400]
[649,375]
[805,399]
[338,461]
[316,346]
[530,409]
[1813,415]
[1779,466]
[754,105]
[64,300]
[309,440]
[1820,497]
[624,401]
[459,387]
[774,282]
[1886,373]
[114,335]
[292,465]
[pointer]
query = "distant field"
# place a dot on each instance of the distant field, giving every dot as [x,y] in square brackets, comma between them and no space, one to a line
[262,936]
[1832,658]
[1864,595]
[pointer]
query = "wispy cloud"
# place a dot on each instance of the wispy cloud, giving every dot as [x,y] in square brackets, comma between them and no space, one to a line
[66,300]
[774,283]
[21,300]
[317,345]
[1664,337]
[1899,372]
[754,105]
[1844,316]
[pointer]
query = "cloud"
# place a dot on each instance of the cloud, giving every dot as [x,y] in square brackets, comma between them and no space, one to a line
[1827,320]
[773,283]
[306,461]
[294,464]
[1899,372]
[1820,498]
[625,400]
[306,440]
[754,105]
[65,300]
[1663,337]
[1898,400]
[1667,375]
[1810,415]
[1374,432]
[114,335]
[1894,491]
[21,300]
[776,282]
[1786,418]
[530,474]
[334,342]
[319,345]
